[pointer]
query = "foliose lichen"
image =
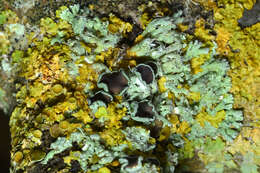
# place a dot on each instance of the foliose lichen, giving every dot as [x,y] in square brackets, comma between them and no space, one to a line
[109,104]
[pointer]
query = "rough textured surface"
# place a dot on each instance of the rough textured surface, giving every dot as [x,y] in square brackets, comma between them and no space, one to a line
[250,17]
[188,85]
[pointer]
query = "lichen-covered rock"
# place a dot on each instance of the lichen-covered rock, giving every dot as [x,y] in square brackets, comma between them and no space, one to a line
[122,93]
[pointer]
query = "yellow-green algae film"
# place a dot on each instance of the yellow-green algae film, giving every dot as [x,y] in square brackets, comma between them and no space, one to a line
[170,88]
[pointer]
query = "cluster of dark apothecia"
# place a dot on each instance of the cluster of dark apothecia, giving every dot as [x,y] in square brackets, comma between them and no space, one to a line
[138,87]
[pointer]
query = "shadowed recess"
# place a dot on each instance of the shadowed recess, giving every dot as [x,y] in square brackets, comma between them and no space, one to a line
[105,97]
[116,82]
[146,73]
[144,110]
[153,65]
[132,161]
[5,144]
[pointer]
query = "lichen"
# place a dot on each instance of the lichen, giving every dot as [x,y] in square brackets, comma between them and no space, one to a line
[136,94]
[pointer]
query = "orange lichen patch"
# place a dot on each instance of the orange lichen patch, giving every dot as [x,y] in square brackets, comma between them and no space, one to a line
[55,131]
[51,115]
[83,116]
[179,127]
[51,70]
[112,115]
[184,128]
[132,63]
[10,17]
[87,73]
[130,54]
[213,151]
[243,53]
[165,133]
[57,88]
[37,133]
[171,96]
[214,120]
[201,32]
[68,105]
[37,66]
[18,156]
[110,56]
[86,46]
[104,170]
[4,43]
[58,12]
[91,6]
[222,40]
[101,112]
[247,141]
[145,20]
[175,122]
[187,151]
[117,25]
[115,115]
[194,96]
[183,27]
[139,38]
[113,137]
[115,163]
[67,127]
[82,101]
[197,62]
[64,124]
[37,89]
[74,155]
[208,4]
[48,26]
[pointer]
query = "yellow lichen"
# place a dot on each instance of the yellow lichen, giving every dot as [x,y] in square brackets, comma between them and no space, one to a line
[113,137]
[55,131]
[214,120]
[175,123]
[183,27]
[243,52]
[83,116]
[4,43]
[161,83]
[37,133]
[110,56]
[243,145]
[117,25]
[112,115]
[58,12]
[74,155]
[145,20]
[48,26]
[184,128]
[18,156]
[165,133]
[101,112]
[115,163]
[57,88]
[208,4]
[138,38]
[195,96]
[104,170]
[196,62]
[201,32]
[222,40]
